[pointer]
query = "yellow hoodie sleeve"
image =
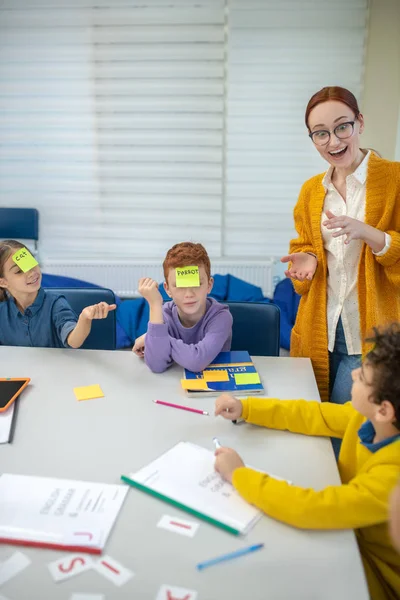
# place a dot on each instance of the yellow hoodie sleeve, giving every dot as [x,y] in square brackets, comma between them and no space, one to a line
[360,503]
[299,416]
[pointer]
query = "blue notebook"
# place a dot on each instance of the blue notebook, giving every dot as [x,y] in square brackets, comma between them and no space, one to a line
[229,372]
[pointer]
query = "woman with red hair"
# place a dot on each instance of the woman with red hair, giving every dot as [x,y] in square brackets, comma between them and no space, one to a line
[345,261]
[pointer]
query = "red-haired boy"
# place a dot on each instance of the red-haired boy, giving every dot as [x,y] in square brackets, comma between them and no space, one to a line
[191,329]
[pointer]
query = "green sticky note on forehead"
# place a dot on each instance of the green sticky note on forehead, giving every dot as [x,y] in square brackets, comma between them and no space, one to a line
[24,259]
[187,276]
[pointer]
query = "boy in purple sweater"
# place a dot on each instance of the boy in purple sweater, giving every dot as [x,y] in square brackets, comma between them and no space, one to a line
[192,329]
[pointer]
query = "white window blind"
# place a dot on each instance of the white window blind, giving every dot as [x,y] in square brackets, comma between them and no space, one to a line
[279,53]
[134,124]
[111,122]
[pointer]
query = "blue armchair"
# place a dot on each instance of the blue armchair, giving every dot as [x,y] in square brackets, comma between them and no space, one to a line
[256,327]
[20,224]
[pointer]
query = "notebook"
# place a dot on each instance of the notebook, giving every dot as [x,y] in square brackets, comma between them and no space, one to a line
[184,476]
[58,513]
[232,372]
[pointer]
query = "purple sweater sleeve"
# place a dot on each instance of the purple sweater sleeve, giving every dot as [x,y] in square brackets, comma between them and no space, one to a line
[161,349]
[157,347]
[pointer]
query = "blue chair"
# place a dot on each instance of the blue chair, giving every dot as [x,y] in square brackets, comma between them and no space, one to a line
[20,224]
[256,327]
[102,335]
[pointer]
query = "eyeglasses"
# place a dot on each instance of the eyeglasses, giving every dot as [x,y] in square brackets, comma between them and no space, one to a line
[342,131]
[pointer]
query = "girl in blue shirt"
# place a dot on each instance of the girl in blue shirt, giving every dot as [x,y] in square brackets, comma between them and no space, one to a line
[32,316]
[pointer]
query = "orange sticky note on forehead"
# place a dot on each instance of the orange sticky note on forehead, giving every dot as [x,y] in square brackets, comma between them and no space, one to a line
[24,259]
[187,276]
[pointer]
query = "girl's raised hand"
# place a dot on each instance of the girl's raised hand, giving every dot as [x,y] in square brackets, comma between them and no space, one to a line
[97,311]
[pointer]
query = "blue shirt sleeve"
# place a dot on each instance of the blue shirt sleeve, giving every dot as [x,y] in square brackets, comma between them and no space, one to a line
[64,319]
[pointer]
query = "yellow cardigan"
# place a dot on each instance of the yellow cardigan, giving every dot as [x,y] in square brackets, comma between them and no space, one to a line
[360,503]
[378,276]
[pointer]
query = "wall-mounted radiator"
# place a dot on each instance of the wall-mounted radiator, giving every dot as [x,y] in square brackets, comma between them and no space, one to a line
[122,277]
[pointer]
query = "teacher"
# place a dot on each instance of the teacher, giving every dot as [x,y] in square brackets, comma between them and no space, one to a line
[345,261]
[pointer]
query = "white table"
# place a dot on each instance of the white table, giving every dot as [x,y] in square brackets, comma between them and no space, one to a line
[100,439]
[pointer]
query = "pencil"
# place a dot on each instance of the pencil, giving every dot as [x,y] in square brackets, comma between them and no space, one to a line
[188,408]
[224,557]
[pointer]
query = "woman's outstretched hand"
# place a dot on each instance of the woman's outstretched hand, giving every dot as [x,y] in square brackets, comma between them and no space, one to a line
[303,265]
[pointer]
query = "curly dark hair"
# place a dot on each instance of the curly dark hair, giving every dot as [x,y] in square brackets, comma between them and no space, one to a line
[385,359]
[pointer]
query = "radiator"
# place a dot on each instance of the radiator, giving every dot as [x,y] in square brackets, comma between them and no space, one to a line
[122,277]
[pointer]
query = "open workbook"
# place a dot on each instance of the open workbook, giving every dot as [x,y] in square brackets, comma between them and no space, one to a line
[232,372]
[58,513]
[185,477]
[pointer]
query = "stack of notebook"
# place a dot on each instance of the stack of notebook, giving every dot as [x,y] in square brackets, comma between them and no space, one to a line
[232,372]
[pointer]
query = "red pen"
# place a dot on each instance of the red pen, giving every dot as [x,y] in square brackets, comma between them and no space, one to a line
[195,410]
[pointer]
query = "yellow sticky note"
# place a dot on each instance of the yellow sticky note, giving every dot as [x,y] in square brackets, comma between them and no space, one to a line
[24,259]
[88,392]
[187,276]
[246,378]
[217,375]
[194,384]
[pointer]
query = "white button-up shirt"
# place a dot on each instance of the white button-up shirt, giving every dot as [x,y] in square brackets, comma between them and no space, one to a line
[343,259]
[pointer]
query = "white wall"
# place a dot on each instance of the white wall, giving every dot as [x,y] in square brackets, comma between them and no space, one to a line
[397,152]
[381,98]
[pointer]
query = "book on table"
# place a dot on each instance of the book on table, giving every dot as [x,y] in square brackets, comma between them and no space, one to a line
[232,372]
[185,477]
[61,514]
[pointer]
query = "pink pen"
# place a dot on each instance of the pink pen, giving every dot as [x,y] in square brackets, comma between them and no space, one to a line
[195,410]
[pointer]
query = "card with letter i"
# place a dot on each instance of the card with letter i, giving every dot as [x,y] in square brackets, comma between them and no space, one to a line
[181,526]
[113,570]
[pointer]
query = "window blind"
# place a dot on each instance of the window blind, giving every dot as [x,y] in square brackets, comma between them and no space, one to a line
[134,124]
[111,123]
[280,52]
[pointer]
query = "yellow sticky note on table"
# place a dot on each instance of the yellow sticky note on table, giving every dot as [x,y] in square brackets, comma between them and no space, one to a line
[88,392]
[187,276]
[24,259]
[246,378]
[217,375]
[194,384]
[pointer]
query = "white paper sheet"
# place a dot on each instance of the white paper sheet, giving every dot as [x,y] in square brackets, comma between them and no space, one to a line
[13,566]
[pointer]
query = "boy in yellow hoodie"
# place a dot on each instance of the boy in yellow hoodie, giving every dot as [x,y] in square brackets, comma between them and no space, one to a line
[369,460]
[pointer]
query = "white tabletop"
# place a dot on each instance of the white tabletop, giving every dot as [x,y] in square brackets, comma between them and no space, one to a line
[98,440]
